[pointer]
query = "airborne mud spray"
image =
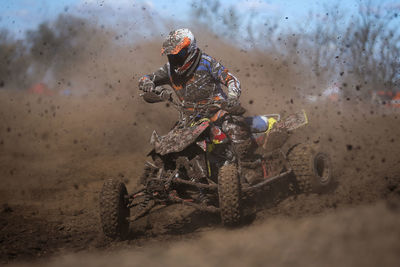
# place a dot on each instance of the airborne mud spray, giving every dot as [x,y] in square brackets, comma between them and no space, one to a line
[56,150]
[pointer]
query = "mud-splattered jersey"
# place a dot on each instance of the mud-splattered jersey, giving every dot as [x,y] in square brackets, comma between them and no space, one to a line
[202,84]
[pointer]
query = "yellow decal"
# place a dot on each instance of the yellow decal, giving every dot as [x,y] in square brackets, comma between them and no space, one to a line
[209,168]
[199,122]
[305,116]
[271,123]
[210,147]
[215,141]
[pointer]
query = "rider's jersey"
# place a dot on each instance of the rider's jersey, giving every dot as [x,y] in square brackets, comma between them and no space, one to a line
[202,84]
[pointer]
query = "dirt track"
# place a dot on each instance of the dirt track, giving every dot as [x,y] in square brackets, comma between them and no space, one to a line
[55,153]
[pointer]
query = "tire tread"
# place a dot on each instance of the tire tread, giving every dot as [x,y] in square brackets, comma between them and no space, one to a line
[229,195]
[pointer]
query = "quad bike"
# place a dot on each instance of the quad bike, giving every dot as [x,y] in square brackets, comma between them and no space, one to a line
[197,142]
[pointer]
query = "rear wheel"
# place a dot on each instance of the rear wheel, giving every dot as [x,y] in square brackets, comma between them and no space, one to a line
[311,167]
[229,193]
[114,212]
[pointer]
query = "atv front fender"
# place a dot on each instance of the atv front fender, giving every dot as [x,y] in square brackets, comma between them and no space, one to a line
[177,139]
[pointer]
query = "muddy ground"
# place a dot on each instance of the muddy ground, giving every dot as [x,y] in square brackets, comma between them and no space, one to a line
[56,151]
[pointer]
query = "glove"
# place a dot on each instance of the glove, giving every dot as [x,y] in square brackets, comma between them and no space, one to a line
[232,105]
[166,95]
[232,102]
[146,85]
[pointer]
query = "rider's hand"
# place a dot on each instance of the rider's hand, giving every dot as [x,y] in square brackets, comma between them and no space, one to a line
[232,102]
[232,105]
[166,95]
[146,85]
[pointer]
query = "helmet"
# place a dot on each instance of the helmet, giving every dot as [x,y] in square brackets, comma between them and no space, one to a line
[181,50]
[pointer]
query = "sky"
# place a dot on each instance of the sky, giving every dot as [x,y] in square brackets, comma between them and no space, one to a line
[18,16]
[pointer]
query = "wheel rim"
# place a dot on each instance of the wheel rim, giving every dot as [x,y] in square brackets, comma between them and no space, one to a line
[322,167]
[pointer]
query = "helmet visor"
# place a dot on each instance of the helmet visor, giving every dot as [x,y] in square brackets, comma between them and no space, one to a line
[179,59]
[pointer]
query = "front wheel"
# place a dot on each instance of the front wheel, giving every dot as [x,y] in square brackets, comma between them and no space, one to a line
[229,193]
[312,168]
[114,212]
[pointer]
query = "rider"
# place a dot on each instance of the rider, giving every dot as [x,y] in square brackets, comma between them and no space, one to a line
[196,79]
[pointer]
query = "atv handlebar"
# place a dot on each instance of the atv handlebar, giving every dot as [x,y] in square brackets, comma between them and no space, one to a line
[156,95]
[160,93]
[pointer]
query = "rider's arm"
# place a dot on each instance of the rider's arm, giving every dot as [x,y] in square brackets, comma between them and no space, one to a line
[147,83]
[157,78]
[223,75]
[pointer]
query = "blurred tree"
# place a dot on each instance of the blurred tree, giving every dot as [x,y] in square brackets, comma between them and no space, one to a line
[319,40]
[56,47]
[372,49]
[14,62]
[212,15]
[51,53]
[361,51]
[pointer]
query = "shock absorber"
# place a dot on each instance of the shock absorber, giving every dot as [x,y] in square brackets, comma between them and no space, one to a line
[145,201]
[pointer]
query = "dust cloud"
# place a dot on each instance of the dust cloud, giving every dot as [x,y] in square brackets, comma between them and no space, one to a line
[56,150]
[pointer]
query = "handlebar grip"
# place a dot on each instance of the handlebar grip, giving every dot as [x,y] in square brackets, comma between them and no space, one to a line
[151,97]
